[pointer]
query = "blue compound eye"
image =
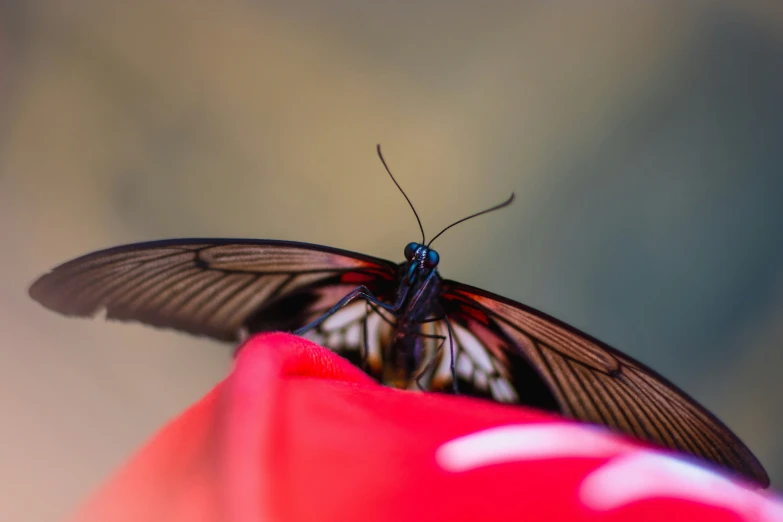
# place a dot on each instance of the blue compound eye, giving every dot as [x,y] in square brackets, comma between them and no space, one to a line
[432,259]
[410,250]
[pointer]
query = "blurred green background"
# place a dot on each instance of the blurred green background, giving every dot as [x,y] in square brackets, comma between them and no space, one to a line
[643,142]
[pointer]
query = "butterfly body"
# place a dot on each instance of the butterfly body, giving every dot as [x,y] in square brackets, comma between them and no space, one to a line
[418,302]
[412,347]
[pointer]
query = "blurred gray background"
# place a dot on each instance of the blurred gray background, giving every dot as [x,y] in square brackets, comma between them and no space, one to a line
[643,142]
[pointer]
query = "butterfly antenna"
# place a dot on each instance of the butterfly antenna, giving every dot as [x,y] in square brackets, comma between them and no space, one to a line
[496,207]
[403,193]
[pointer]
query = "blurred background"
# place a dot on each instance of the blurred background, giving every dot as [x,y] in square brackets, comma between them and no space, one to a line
[643,142]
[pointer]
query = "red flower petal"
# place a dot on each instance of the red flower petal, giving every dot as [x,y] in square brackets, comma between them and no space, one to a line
[296,433]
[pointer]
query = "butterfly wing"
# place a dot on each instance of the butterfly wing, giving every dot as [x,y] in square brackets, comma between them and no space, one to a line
[590,381]
[214,287]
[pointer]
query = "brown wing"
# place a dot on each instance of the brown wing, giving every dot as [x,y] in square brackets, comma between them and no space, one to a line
[212,287]
[593,382]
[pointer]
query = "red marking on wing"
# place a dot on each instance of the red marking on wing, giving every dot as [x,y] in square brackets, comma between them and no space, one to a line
[357,277]
[476,314]
[466,309]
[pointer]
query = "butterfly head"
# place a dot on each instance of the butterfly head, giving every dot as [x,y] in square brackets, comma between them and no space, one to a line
[421,256]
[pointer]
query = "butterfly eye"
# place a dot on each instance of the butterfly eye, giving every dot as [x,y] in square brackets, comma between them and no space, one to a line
[432,259]
[410,250]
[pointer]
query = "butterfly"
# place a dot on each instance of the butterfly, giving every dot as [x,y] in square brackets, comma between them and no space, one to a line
[401,322]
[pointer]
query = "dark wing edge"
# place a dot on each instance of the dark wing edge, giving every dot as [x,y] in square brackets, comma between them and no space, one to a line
[204,286]
[596,383]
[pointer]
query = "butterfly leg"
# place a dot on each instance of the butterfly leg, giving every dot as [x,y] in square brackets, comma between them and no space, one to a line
[452,364]
[360,291]
[432,361]
[364,348]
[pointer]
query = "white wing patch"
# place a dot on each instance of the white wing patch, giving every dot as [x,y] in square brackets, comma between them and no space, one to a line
[475,364]
[465,366]
[345,316]
[474,349]
[344,333]
[378,331]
